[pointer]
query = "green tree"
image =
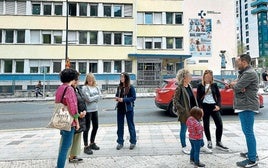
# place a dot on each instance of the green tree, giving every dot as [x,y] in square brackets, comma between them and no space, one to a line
[241,48]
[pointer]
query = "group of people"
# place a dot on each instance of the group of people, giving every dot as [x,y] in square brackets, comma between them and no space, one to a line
[83,106]
[193,109]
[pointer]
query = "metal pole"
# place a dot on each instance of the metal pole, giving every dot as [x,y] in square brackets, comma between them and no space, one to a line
[66,43]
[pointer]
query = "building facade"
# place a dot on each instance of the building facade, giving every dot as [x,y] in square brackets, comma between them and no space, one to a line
[150,39]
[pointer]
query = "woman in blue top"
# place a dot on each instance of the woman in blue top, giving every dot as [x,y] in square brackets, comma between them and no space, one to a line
[125,97]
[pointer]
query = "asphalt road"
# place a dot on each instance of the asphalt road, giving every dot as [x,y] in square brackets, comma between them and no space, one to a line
[37,114]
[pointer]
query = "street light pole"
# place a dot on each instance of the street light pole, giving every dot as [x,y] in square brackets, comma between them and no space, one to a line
[66,43]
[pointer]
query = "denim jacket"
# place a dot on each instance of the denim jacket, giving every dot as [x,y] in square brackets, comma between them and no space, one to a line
[128,99]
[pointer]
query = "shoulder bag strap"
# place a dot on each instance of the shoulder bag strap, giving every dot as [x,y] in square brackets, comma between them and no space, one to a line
[63,93]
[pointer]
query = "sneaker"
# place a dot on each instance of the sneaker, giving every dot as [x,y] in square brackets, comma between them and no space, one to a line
[209,145]
[185,150]
[246,163]
[119,146]
[245,155]
[205,150]
[75,159]
[199,164]
[88,150]
[192,161]
[94,146]
[220,146]
[132,146]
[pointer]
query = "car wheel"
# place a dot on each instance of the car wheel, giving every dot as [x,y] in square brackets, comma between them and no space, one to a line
[171,112]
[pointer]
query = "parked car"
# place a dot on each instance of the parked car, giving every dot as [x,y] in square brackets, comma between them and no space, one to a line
[165,93]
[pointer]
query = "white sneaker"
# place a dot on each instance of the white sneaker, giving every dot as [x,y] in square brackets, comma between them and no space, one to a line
[205,150]
[185,150]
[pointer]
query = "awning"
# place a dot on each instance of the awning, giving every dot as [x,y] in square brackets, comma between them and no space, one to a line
[176,56]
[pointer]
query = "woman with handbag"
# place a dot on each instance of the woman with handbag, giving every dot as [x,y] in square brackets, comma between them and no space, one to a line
[76,145]
[92,95]
[209,98]
[65,94]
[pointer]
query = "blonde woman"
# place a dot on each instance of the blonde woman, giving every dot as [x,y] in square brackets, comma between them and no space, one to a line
[92,95]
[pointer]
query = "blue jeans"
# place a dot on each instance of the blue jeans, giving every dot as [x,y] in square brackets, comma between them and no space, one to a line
[183,134]
[131,127]
[247,123]
[195,150]
[65,143]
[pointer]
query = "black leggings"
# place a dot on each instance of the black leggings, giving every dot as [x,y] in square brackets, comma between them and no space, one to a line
[216,115]
[91,116]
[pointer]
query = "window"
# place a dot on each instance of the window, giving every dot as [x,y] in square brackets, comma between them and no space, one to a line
[10,7]
[44,69]
[107,37]
[148,43]
[178,42]
[58,9]
[128,66]
[169,43]
[56,67]
[107,67]
[33,69]
[57,37]
[178,18]
[247,33]
[148,18]
[117,38]
[169,18]
[36,9]
[19,66]
[82,67]
[0,36]
[140,18]
[117,66]
[9,36]
[157,18]
[73,65]
[35,37]
[93,37]
[46,38]
[47,9]
[128,39]
[72,9]
[82,37]
[72,37]
[157,43]
[8,66]
[93,67]
[247,40]
[128,10]
[82,9]
[21,8]
[21,36]
[93,10]
[107,10]
[117,11]
[246,13]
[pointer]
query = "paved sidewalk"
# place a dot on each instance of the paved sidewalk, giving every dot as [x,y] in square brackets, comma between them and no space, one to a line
[158,146]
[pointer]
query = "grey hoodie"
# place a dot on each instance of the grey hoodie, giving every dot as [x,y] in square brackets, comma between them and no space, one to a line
[92,96]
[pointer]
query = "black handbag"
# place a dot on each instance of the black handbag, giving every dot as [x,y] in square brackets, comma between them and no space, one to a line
[82,123]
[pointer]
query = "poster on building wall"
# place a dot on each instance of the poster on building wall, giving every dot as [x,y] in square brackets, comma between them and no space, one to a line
[200,37]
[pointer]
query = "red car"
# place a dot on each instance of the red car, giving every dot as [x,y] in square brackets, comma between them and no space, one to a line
[165,92]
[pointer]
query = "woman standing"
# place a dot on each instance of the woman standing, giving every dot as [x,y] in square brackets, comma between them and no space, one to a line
[125,97]
[92,95]
[209,98]
[184,100]
[68,78]
[76,145]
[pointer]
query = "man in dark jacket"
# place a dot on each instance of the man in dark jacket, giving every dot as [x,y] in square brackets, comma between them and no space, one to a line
[246,104]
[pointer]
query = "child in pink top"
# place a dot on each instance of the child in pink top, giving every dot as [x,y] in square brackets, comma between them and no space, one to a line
[195,130]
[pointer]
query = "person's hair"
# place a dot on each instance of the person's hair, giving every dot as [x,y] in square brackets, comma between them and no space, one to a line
[92,76]
[245,57]
[205,73]
[196,112]
[68,74]
[182,73]
[126,84]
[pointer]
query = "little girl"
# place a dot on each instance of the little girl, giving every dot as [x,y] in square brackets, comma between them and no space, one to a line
[195,130]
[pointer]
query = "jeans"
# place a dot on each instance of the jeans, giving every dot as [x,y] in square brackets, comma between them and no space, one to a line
[247,123]
[91,116]
[216,116]
[120,126]
[183,134]
[65,143]
[195,150]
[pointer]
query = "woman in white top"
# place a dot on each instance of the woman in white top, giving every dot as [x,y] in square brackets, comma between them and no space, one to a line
[209,98]
[92,94]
